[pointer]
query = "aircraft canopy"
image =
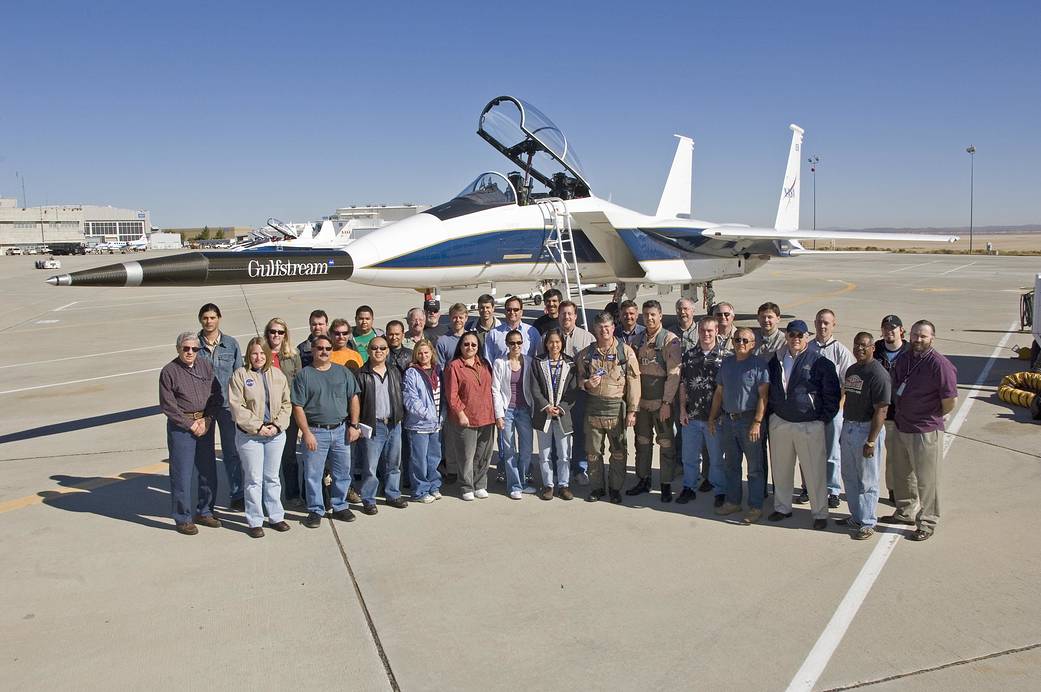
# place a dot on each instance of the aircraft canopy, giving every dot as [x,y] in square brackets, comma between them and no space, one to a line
[523,134]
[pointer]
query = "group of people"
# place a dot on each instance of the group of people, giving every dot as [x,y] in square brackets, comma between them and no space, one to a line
[427,402]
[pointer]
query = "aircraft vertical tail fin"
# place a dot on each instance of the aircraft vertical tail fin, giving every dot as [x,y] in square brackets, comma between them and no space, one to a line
[788,207]
[676,196]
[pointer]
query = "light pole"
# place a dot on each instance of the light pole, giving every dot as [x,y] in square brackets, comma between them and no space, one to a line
[814,161]
[971,151]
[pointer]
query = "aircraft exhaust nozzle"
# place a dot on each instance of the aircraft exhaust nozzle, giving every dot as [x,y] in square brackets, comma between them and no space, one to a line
[217,268]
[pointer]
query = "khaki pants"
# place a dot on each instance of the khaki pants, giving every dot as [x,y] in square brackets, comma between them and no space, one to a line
[916,471]
[648,428]
[615,438]
[890,442]
[805,441]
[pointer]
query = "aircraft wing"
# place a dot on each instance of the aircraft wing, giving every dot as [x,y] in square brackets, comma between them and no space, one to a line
[737,232]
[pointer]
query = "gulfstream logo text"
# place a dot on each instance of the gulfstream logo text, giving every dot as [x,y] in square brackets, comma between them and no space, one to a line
[277,267]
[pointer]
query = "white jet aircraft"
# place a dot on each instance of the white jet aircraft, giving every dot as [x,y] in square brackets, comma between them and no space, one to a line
[501,229]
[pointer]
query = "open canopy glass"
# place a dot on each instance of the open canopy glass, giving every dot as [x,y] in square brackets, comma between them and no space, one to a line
[524,134]
[488,191]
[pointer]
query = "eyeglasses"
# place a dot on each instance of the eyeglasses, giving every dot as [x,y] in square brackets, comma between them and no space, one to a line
[513,309]
[377,348]
[514,343]
[322,348]
[276,331]
[724,314]
[744,341]
[795,335]
[190,349]
[340,333]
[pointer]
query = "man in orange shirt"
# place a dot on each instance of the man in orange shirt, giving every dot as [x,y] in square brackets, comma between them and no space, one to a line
[340,331]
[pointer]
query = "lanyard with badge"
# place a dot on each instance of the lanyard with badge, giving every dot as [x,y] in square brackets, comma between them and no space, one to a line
[555,369]
[903,385]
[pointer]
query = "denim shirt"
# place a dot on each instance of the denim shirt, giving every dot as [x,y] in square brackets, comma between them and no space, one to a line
[226,359]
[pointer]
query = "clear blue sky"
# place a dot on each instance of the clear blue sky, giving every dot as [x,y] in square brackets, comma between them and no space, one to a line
[226,113]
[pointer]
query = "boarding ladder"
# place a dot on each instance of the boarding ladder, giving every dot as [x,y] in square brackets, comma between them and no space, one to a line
[560,245]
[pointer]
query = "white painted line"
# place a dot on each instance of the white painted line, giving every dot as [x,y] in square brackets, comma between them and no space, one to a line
[69,305]
[46,321]
[88,379]
[950,271]
[912,266]
[820,655]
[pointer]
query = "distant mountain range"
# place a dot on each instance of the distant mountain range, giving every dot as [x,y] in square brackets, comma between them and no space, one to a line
[954,230]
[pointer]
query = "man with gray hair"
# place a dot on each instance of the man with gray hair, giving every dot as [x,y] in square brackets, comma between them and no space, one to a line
[725,313]
[417,321]
[685,328]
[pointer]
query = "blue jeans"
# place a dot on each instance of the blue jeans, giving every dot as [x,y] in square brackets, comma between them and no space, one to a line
[555,444]
[734,438]
[332,447]
[695,433]
[860,473]
[831,440]
[188,453]
[516,453]
[425,452]
[261,458]
[385,446]
[229,454]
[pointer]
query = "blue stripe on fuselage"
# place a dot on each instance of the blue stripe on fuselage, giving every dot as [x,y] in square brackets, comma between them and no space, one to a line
[518,246]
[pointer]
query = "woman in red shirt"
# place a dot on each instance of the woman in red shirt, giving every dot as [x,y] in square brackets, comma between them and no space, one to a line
[468,388]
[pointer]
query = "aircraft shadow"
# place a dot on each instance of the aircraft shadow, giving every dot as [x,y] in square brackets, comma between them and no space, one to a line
[80,424]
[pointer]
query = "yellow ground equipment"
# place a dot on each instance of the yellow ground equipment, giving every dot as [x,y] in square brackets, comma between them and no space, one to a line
[1020,388]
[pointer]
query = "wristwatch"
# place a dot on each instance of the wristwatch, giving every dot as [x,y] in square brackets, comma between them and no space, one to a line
[353,425]
[869,444]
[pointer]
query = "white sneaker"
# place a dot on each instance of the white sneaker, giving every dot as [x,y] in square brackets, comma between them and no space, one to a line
[468,497]
[426,499]
[480,493]
[529,490]
[582,478]
[436,494]
[516,495]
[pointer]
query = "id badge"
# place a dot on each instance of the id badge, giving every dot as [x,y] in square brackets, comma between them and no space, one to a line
[601,372]
[900,389]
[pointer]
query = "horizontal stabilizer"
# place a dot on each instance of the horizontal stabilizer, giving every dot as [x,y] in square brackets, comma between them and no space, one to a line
[750,233]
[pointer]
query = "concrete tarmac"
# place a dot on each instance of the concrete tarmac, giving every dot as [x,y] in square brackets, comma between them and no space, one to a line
[100,592]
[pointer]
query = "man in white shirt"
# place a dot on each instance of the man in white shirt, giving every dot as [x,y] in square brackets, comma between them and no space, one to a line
[495,342]
[840,355]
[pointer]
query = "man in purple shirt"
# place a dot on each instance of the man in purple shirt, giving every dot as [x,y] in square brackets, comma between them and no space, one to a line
[925,389]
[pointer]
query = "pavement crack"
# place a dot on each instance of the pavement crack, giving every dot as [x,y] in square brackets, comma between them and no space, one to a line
[952,664]
[365,610]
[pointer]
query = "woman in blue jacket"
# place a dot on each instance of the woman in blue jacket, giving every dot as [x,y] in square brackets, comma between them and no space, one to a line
[421,395]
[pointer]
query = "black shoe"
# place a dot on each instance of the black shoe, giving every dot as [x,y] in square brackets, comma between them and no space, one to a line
[451,478]
[398,502]
[778,516]
[642,486]
[920,535]
[238,505]
[705,486]
[896,519]
[616,497]
[666,492]
[594,495]
[312,520]
[685,496]
[803,498]
[344,515]
[718,502]
[820,524]
[368,509]
[833,501]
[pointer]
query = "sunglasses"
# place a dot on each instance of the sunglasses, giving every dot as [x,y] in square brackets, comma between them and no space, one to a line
[469,345]
[513,309]
[341,333]
[276,331]
[377,348]
[514,343]
[795,335]
[322,348]
[744,341]
[190,349]
[724,314]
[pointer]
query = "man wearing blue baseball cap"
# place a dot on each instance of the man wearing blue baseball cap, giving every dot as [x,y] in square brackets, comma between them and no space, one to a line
[804,396]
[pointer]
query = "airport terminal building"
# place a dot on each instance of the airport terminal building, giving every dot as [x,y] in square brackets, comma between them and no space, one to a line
[28,227]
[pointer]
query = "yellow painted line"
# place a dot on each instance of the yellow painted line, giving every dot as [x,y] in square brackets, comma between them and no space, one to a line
[86,486]
[850,286]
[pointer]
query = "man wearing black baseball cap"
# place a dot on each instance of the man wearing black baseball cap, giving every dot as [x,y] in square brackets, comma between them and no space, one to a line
[804,396]
[887,349]
[433,329]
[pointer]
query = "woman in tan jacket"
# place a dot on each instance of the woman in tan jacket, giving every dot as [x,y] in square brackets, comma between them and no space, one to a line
[259,397]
